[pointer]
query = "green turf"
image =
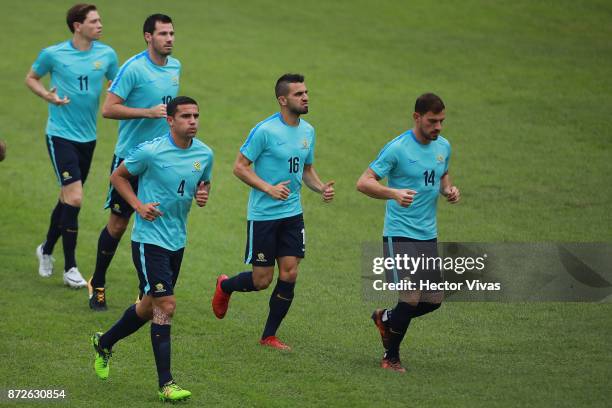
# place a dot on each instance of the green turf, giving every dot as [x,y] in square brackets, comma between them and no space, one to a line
[527,87]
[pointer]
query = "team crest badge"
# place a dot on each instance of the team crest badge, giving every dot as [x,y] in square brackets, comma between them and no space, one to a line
[261,257]
[197,165]
[66,175]
[159,288]
[117,207]
[305,144]
[175,80]
[97,65]
[440,158]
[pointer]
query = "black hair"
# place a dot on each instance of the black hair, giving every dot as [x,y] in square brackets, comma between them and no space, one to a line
[428,102]
[78,14]
[172,107]
[282,84]
[149,24]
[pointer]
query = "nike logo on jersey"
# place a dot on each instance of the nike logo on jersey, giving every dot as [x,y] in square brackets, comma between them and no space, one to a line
[411,161]
[280,143]
[165,166]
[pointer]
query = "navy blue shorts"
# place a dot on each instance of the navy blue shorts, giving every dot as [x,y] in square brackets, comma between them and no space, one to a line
[71,160]
[158,268]
[426,251]
[268,240]
[114,201]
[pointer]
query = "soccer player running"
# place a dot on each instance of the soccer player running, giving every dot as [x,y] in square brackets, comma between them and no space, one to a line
[145,84]
[416,165]
[77,68]
[172,170]
[281,149]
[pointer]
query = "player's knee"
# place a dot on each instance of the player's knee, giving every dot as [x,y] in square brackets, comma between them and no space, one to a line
[144,310]
[73,200]
[262,282]
[117,226]
[72,194]
[289,275]
[164,310]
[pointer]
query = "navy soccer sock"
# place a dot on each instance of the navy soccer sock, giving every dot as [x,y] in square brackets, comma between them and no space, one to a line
[398,324]
[425,307]
[243,282]
[128,324]
[160,339]
[55,230]
[280,301]
[107,245]
[70,231]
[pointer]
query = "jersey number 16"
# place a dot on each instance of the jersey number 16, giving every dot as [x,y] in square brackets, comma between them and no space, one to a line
[294,164]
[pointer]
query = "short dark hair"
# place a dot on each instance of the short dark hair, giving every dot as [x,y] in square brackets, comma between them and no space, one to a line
[78,14]
[149,24]
[282,84]
[428,102]
[172,107]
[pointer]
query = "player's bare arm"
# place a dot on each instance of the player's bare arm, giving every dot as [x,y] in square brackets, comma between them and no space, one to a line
[369,184]
[33,82]
[448,190]
[114,108]
[312,180]
[120,179]
[244,171]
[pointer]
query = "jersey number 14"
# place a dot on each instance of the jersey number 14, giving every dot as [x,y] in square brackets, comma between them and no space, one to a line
[429,177]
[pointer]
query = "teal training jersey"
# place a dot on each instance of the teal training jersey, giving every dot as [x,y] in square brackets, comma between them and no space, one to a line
[408,164]
[278,152]
[143,84]
[79,76]
[170,176]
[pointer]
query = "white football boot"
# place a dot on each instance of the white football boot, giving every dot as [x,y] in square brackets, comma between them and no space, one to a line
[74,279]
[45,262]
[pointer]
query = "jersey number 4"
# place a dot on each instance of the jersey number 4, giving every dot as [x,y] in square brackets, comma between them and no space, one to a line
[181,188]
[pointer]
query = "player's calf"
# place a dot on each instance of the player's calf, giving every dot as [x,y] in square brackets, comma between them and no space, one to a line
[163,310]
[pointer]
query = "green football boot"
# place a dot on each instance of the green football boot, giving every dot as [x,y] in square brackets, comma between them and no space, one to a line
[102,357]
[172,392]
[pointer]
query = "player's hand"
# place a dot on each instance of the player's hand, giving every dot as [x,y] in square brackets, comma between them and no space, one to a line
[328,191]
[279,191]
[201,195]
[452,195]
[158,111]
[149,211]
[2,149]
[53,98]
[404,197]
